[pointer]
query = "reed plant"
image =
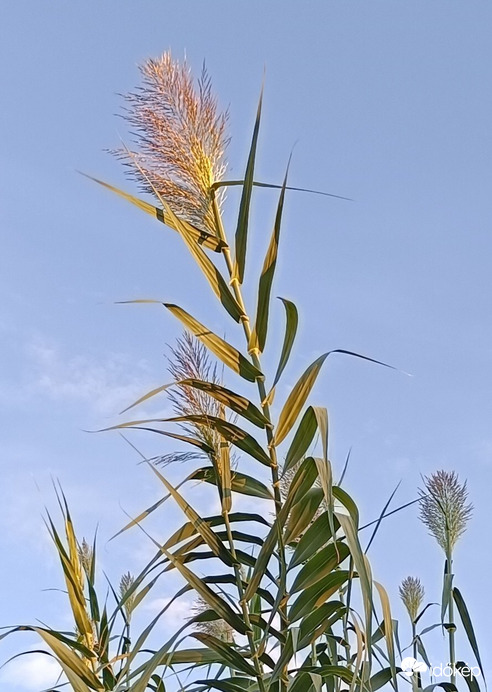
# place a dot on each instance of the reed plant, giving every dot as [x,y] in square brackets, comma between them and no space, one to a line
[285,596]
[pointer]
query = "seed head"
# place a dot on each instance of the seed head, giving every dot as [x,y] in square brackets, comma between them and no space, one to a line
[444,508]
[217,628]
[126,582]
[180,138]
[86,556]
[412,594]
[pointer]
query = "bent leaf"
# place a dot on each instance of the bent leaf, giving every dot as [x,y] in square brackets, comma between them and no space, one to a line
[302,388]
[200,237]
[237,403]
[240,482]
[229,355]
[241,237]
[292,320]
[259,333]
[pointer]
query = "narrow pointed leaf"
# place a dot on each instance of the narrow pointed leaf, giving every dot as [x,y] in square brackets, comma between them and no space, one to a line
[297,399]
[316,595]
[199,524]
[300,392]
[218,604]
[321,564]
[317,536]
[240,483]
[313,624]
[303,437]
[229,355]
[388,626]
[292,320]
[212,274]
[228,653]
[200,237]
[237,403]
[241,237]
[259,333]
[302,514]
[467,624]
[230,431]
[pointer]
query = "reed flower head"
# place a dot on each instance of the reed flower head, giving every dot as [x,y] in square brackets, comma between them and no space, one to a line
[189,359]
[86,556]
[412,594]
[126,582]
[444,508]
[180,136]
[216,628]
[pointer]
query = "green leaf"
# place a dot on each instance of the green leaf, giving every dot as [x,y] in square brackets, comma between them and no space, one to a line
[317,535]
[229,431]
[467,624]
[237,403]
[302,388]
[215,602]
[321,564]
[314,596]
[198,523]
[388,626]
[243,219]
[212,274]
[381,517]
[264,557]
[382,677]
[240,482]
[297,399]
[470,679]
[188,530]
[134,425]
[303,480]
[227,684]
[256,183]
[200,237]
[315,623]
[303,437]
[302,514]
[149,395]
[361,565]
[228,653]
[220,348]
[74,667]
[259,333]
[292,320]
[447,586]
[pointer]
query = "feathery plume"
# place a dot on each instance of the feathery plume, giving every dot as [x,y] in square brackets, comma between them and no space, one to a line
[180,136]
[412,594]
[126,582]
[86,556]
[444,508]
[216,628]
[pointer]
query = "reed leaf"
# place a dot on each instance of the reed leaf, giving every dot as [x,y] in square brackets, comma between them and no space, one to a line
[229,355]
[259,333]
[200,237]
[241,236]
[292,320]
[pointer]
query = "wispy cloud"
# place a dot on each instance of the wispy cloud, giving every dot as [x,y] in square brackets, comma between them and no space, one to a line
[105,384]
[33,672]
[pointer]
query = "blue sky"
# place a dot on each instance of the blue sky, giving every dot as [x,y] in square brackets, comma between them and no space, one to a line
[389,103]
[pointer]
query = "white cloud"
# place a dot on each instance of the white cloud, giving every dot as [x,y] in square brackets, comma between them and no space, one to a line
[176,614]
[32,672]
[107,386]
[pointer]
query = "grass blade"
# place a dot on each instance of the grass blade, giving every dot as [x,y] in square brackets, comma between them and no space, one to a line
[241,237]
[229,355]
[259,333]
[200,237]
